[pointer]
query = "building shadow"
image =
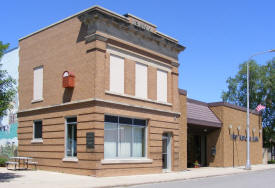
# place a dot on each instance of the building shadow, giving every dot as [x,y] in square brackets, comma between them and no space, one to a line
[67,95]
[82,33]
[7,177]
[212,140]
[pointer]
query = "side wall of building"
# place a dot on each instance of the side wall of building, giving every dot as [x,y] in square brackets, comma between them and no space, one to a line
[183,132]
[89,101]
[215,140]
[234,150]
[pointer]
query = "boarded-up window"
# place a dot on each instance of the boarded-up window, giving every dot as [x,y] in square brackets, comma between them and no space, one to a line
[141,80]
[38,83]
[116,74]
[162,86]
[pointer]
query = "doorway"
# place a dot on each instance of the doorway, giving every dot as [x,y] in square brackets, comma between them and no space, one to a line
[166,152]
[196,150]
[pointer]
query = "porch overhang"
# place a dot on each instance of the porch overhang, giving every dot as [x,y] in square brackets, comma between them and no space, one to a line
[199,114]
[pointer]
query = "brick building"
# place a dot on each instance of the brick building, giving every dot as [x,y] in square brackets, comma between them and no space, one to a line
[99,96]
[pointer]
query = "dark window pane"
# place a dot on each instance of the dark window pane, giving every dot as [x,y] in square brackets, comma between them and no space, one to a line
[139,122]
[112,119]
[75,141]
[71,120]
[124,120]
[38,129]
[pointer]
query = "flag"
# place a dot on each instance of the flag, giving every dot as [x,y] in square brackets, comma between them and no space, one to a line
[260,107]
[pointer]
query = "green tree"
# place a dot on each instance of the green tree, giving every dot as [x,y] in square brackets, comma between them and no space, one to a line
[7,83]
[262,91]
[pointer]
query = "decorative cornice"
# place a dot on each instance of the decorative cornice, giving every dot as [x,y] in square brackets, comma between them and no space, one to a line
[95,36]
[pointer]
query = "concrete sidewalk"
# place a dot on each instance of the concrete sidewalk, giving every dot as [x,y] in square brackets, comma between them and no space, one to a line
[27,179]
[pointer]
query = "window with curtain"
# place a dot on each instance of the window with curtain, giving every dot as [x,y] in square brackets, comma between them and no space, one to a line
[71,137]
[124,137]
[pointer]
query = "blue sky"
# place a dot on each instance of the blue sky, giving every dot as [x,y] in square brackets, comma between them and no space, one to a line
[218,35]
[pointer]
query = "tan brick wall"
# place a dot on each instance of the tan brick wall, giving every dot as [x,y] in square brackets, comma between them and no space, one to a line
[216,139]
[50,153]
[152,83]
[90,64]
[57,49]
[61,48]
[234,152]
[183,132]
[129,78]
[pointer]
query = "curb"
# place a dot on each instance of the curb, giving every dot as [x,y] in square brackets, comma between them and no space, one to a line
[184,178]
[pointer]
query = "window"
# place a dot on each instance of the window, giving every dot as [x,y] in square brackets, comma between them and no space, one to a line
[124,137]
[71,137]
[37,129]
[161,86]
[116,74]
[38,83]
[141,80]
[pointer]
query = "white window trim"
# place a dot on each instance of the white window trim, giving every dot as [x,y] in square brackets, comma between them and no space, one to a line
[126,160]
[37,100]
[130,159]
[68,158]
[36,140]
[138,98]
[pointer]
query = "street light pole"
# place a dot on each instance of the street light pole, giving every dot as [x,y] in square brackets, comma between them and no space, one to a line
[248,165]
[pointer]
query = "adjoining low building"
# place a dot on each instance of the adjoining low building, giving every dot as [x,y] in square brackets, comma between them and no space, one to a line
[217,134]
[99,96]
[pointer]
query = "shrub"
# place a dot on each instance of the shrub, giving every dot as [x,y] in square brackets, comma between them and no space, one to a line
[3,161]
[271,162]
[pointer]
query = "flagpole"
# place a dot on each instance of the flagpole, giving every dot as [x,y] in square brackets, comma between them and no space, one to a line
[248,164]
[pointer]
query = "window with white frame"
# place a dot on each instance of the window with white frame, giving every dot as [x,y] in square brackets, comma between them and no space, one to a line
[116,74]
[161,86]
[38,83]
[37,129]
[124,137]
[71,137]
[141,81]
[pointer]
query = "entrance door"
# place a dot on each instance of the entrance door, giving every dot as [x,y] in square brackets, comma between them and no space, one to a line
[196,150]
[203,150]
[166,152]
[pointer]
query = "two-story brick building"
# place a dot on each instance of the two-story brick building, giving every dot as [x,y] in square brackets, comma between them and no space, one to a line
[99,96]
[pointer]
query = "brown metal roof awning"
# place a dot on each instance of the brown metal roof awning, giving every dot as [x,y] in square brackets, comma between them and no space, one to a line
[198,113]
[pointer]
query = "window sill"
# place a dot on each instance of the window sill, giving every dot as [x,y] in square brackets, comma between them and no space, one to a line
[37,100]
[37,140]
[121,161]
[70,159]
[137,98]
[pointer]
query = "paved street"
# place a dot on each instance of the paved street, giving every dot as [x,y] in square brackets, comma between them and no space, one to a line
[261,176]
[259,179]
